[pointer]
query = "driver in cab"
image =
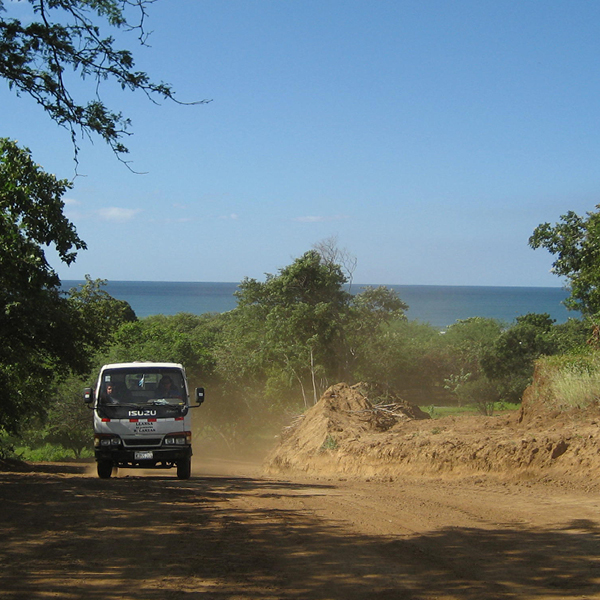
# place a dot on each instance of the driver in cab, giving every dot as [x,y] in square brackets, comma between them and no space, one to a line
[109,395]
[167,389]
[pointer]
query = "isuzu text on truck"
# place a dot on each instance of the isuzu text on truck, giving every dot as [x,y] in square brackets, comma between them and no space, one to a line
[142,417]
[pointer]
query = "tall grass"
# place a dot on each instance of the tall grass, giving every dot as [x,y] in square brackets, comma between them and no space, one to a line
[574,380]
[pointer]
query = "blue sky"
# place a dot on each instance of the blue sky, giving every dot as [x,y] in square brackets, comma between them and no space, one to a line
[429,137]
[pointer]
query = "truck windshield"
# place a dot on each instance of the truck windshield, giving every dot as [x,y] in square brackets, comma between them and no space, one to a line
[142,387]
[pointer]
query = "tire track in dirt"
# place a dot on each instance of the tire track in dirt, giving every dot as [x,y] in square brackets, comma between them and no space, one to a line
[68,535]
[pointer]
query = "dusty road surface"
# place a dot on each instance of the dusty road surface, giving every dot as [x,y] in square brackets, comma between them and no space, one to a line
[229,533]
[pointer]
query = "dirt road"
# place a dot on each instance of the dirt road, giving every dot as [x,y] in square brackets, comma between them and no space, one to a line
[228,533]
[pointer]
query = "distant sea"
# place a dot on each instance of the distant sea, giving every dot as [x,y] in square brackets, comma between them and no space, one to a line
[439,305]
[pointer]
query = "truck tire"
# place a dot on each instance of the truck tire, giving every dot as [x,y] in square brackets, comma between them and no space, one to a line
[184,469]
[105,468]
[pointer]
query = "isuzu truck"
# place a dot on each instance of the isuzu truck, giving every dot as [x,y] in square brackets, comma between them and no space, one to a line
[142,417]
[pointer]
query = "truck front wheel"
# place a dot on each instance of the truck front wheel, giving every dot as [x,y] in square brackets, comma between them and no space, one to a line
[105,468]
[184,469]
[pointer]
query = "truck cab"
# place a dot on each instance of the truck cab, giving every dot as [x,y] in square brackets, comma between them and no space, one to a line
[142,417]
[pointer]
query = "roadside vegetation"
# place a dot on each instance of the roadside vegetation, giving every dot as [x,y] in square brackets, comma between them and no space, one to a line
[290,337]
[571,381]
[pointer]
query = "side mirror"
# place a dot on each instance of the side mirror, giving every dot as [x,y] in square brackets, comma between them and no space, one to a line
[88,395]
[199,395]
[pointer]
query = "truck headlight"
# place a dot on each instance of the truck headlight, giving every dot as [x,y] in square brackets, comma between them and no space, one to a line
[106,441]
[180,439]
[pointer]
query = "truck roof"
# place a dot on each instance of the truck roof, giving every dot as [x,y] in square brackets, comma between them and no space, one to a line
[142,364]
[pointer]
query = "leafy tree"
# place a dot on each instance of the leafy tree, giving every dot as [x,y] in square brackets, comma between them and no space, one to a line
[240,403]
[473,333]
[99,312]
[572,335]
[488,361]
[302,311]
[575,241]
[280,346]
[241,352]
[511,359]
[401,356]
[42,334]
[481,392]
[300,330]
[374,307]
[183,338]
[424,365]
[68,422]
[374,349]
[62,36]
[467,340]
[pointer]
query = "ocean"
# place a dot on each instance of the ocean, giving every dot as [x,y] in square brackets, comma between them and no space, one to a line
[438,305]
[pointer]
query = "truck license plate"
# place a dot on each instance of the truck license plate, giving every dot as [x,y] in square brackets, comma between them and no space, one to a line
[143,455]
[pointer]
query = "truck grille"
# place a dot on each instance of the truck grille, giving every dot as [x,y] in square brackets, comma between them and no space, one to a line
[143,442]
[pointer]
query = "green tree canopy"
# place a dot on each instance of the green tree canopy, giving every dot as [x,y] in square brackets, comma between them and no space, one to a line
[511,359]
[376,306]
[575,241]
[41,333]
[63,36]
[99,312]
[301,330]
[302,311]
[183,338]
[466,342]
[400,355]
[68,420]
[97,305]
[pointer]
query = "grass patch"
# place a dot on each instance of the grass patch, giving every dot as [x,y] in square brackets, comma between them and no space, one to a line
[573,380]
[438,412]
[49,453]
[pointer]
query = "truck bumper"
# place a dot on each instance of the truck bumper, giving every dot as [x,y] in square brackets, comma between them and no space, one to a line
[140,457]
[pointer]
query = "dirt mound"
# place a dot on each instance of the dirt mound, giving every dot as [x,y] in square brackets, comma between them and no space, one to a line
[343,415]
[388,401]
[344,434]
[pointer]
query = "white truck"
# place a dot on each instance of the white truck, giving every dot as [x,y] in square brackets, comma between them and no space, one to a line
[142,417]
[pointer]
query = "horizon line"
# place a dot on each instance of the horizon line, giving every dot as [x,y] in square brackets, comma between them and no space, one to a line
[352,284]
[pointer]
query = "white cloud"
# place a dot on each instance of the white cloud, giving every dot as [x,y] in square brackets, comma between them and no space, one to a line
[231,217]
[72,209]
[118,215]
[320,219]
